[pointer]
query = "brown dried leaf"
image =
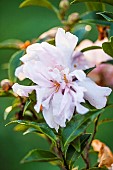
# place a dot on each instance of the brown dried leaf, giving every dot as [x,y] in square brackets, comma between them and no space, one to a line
[105,155]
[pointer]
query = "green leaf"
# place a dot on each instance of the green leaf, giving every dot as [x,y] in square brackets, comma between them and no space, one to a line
[108,47]
[91,48]
[21,128]
[95,6]
[26,107]
[81,31]
[107,15]
[105,121]
[14,107]
[108,62]
[11,43]
[93,18]
[6,94]
[77,126]
[110,2]
[13,64]
[76,144]
[40,127]
[29,130]
[42,3]
[37,155]
[87,71]
[72,153]
[96,168]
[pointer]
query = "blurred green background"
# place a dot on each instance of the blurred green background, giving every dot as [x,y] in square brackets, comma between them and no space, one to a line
[26,24]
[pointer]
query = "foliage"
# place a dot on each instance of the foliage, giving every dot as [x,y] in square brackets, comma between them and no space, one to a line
[72,141]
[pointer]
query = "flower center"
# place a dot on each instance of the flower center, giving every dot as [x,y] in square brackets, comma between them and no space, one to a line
[57,85]
[65,78]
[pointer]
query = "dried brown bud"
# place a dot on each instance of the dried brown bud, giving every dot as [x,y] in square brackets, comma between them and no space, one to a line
[105,155]
[6,84]
[73,18]
[64,5]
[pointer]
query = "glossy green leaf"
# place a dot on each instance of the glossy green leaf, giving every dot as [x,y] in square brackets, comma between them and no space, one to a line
[108,47]
[87,71]
[107,15]
[96,168]
[37,155]
[81,31]
[15,107]
[26,106]
[92,18]
[21,128]
[105,121]
[110,2]
[72,153]
[95,6]
[77,126]
[30,130]
[11,43]
[108,62]
[42,3]
[91,48]
[40,127]
[13,64]
[76,144]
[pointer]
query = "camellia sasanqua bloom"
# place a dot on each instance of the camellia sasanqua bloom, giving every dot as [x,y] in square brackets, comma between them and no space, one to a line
[60,88]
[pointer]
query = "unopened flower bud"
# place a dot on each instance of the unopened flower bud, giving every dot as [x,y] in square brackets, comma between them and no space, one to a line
[73,18]
[64,5]
[48,34]
[6,84]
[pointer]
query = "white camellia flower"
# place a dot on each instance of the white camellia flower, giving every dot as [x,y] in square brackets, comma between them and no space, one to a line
[60,89]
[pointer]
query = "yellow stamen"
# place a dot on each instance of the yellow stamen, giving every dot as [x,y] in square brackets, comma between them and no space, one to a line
[57,85]
[65,79]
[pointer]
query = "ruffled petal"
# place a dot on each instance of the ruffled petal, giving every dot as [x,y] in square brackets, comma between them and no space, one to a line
[23,90]
[49,118]
[19,73]
[79,74]
[96,95]
[79,61]
[38,73]
[81,109]
[78,98]
[66,41]
[40,93]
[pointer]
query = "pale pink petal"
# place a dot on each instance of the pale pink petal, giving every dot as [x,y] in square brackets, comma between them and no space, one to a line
[79,74]
[49,118]
[66,41]
[81,109]
[38,73]
[79,61]
[23,90]
[40,93]
[77,99]
[19,73]
[96,95]
[63,107]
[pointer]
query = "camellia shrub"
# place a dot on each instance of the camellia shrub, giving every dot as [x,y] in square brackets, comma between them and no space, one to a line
[60,84]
